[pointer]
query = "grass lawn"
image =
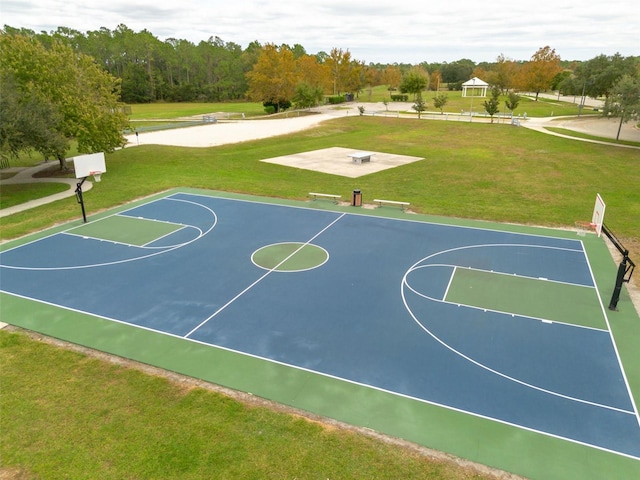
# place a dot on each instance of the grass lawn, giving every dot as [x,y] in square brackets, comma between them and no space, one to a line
[94,419]
[67,415]
[18,193]
[148,111]
[456,103]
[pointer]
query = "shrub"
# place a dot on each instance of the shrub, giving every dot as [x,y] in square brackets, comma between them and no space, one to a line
[335,99]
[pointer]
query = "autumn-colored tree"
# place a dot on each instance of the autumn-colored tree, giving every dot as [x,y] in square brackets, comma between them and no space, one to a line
[310,71]
[273,78]
[503,74]
[355,77]
[435,80]
[391,77]
[538,74]
[480,73]
[339,65]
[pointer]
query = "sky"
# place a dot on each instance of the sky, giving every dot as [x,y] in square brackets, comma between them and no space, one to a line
[373,31]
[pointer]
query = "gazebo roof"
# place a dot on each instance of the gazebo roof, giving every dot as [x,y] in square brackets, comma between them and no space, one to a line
[475,82]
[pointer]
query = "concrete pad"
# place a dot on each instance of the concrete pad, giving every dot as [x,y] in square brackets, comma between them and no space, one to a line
[336,161]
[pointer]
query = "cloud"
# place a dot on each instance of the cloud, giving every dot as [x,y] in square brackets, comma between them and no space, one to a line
[372,30]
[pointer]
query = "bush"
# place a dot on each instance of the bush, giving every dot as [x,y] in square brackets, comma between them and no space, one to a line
[400,98]
[270,109]
[334,99]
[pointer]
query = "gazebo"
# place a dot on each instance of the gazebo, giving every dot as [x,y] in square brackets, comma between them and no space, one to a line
[474,88]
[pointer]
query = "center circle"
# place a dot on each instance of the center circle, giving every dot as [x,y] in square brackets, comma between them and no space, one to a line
[290,257]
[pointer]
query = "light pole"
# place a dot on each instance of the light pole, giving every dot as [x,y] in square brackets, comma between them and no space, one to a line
[584,84]
[473,92]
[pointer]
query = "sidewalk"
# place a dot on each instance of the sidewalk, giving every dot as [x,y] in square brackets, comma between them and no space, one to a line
[26,175]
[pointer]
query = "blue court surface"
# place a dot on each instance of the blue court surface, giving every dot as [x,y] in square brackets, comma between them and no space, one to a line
[507,327]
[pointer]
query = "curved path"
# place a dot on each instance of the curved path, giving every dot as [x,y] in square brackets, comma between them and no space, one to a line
[26,175]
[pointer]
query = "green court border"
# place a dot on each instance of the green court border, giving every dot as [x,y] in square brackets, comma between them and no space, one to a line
[474,438]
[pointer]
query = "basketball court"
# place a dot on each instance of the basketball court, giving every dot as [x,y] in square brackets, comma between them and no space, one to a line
[490,342]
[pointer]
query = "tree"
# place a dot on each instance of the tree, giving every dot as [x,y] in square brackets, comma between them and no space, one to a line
[355,77]
[597,77]
[313,73]
[273,80]
[458,71]
[307,96]
[339,64]
[439,101]
[83,96]
[492,105]
[435,80]
[538,74]
[391,77]
[569,86]
[624,101]
[414,81]
[27,123]
[503,73]
[512,101]
[420,105]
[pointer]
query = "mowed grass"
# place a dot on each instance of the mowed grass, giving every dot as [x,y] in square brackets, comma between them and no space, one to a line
[15,194]
[471,170]
[457,104]
[70,413]
[147,111]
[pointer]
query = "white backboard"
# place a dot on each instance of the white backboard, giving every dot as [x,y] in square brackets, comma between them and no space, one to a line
[597,218]
[87,165]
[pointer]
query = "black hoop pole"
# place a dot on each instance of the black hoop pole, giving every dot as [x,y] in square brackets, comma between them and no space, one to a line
[625,269]
[80,199]
[622,270]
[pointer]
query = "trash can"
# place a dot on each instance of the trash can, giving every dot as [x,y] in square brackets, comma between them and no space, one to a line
[356,199]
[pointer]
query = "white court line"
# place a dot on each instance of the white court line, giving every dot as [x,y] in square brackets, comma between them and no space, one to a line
[333,377]
[613,340]
[263,276]
[158,251]
[422,222]
[504,375]
[373,387]
[484,309]
[446,292]
[417,265]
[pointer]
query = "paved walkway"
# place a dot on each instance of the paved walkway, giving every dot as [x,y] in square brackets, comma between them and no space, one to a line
[26,175]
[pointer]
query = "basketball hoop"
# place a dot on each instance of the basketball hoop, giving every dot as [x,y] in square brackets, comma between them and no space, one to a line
[585,227]
[96,176]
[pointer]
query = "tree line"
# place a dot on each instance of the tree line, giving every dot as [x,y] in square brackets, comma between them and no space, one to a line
[67,84]
[177,70]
